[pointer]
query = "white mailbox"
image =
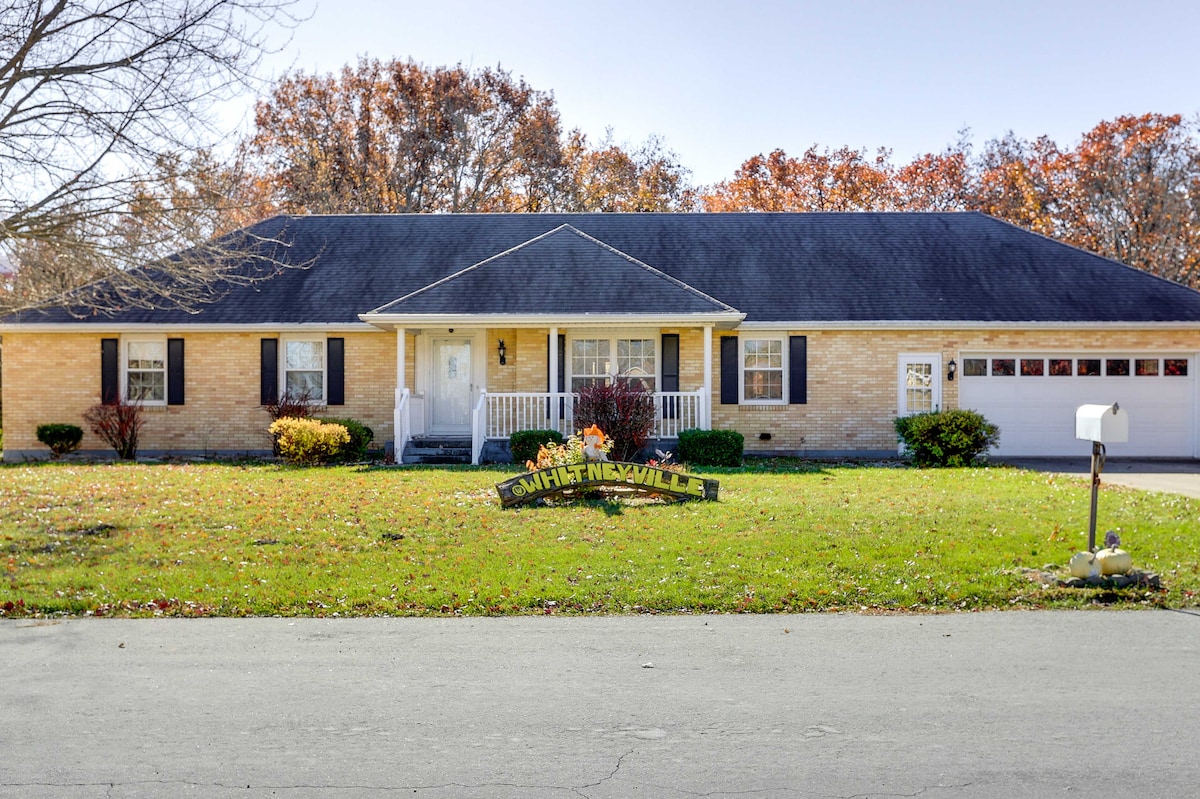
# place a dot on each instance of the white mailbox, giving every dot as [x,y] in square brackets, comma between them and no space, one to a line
[1105,424]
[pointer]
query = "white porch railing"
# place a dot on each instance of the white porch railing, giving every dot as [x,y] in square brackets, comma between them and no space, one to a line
[401,426]
[477,427]
[679,410]
[500,415]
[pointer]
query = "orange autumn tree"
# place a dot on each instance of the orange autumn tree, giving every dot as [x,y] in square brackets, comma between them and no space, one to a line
[1130,190]
[400,137]
[1133,194]
[843,180]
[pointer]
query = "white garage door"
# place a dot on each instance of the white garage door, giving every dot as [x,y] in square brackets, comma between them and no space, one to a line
[1032,398]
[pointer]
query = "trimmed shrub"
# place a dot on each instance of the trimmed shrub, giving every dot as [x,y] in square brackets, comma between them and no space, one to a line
[60,438]
[711,447]
[524,444]
[308,442]
[361,437]
[946,438]
[623,411]
[117,424]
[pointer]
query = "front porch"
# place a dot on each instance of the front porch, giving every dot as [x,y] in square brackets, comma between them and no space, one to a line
[497,415]
[485,382]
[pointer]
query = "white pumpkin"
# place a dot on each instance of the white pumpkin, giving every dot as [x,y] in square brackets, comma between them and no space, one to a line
[1084,564]
[1114,561]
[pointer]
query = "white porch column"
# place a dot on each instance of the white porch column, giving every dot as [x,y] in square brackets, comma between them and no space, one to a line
[401,341]
[708,387]
[554,367]
[400,407]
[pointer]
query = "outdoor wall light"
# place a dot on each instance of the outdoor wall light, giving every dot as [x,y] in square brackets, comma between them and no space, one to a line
[951,369]
[503,353]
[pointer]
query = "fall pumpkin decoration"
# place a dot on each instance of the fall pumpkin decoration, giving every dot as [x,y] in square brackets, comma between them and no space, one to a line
[1084,565]
[1114,561]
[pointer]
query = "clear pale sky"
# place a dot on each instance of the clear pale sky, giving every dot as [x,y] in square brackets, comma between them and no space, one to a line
[722,81]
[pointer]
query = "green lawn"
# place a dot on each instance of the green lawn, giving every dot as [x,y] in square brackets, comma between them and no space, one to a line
[221,539]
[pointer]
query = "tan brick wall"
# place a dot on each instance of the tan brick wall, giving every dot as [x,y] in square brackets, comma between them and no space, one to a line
[852,391]
[52,377]
[852,380]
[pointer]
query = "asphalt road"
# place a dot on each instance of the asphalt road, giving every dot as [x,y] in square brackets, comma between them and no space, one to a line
[1007,705]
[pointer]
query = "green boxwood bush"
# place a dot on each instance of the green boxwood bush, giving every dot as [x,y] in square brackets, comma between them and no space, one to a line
[308,442]
[946,438]
[524,444]
[361,437]
[60,438]
[711,447]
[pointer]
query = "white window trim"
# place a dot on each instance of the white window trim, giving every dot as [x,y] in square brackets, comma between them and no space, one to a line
[283,370]
[612,338]
[937,375]
[125,342]
[782,338]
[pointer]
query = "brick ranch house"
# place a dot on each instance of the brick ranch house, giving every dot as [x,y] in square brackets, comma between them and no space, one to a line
[807,333]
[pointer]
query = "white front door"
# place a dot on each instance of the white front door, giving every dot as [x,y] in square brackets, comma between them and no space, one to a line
[920,383]
[450,405]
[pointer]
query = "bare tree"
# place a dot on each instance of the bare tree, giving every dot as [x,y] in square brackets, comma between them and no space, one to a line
[98,100]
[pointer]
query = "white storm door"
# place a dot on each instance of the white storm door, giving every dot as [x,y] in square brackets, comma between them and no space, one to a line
[450,411]
[920,383]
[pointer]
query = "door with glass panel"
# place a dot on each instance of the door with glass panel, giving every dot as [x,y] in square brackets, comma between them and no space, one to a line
[450,405]
[920,383]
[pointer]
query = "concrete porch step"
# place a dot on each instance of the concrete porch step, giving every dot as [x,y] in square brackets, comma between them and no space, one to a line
[437,449]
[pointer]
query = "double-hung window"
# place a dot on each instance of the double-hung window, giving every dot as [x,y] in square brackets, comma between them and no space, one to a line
[762,370]
[304,369]
[592,361]
[636,362]
[146,371]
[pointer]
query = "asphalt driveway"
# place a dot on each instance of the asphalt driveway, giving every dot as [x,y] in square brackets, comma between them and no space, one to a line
[1167,476]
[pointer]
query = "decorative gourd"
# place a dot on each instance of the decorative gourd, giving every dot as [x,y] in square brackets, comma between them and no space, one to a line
[1084,564]
[1114,561]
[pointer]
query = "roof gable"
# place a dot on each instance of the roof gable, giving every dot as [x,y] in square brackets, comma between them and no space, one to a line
[562,271]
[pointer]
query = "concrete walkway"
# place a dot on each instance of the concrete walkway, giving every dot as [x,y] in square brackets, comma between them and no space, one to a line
[988,705]
[1167,476]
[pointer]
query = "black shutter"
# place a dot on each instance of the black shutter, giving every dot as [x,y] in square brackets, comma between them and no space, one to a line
[269,372]
[798,370]
[110,371]
[562,373]
[729,370]
[670,373]
[335,370]
[174,371]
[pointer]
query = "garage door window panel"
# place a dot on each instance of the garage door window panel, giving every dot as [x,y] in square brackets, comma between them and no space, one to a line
[1087,367]
[1032,367]
[1117,367]
[974,367]
[1175,367]
[1061,367]
[1004,367]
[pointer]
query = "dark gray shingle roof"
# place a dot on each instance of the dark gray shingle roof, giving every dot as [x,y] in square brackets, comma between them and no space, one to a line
[951,267]
[585,277]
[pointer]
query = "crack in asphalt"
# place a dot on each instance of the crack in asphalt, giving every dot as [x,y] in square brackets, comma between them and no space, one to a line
[603,780]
